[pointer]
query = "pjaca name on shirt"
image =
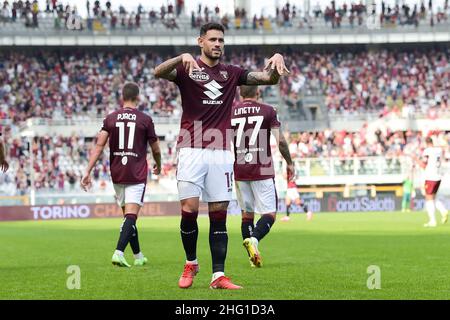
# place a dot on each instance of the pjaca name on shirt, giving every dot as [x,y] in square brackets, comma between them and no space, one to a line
[246,110]
[126,116]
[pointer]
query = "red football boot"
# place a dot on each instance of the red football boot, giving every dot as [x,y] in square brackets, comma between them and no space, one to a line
[223,283]
[189,272]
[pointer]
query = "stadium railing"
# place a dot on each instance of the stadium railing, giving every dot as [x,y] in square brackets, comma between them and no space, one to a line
[353,170]
[17,34]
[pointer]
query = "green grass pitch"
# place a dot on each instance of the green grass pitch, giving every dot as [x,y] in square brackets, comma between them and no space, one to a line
[326,258]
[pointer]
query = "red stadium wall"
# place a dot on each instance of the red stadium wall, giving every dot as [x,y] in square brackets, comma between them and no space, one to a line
[84,211]
[330,203]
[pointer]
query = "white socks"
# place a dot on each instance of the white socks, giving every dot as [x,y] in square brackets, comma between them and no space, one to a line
[255,241]
[118,252]
[440,206]
[217,275]
[139,255]
[192,262]
[429,204]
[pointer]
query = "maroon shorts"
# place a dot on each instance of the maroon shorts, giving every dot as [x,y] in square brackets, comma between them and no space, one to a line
[432,187]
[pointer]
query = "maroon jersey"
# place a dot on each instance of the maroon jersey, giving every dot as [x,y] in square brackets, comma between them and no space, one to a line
[130,131]
[206,98]
[292,185]
[251,122]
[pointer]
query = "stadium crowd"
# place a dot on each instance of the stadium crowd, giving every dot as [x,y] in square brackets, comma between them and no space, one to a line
[59,161]
[384,81]
[320,14]
[56,85]
[364,143]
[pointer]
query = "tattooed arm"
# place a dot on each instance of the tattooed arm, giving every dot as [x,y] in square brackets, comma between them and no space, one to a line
[263,77]
[167,69]
[273,70]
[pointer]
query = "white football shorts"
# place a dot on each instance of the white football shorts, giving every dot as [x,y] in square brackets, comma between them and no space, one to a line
[292,193]
[205,173]
[130,193]
[258,196]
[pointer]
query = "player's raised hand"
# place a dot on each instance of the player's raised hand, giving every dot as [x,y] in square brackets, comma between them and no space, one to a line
[277,61]
[189,63]
[290,172]
[4,166]
[86,182]
[156,169]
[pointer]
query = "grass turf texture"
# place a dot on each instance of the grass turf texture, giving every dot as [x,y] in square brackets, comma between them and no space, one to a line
[326,258]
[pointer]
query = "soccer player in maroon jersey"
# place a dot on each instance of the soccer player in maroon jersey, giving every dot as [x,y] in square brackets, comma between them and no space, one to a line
[129,131]
[3,163]
[205,163]
[253,122]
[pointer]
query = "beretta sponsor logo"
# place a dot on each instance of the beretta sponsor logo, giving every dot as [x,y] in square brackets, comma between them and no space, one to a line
[199,76]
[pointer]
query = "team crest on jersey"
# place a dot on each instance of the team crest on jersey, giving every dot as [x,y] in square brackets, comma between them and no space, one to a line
[199,76]
[248,157]
[224,74]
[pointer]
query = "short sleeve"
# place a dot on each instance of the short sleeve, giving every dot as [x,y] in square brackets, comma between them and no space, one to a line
[275,122]
[105,125]
[240,73]
[151,134]
[181,74]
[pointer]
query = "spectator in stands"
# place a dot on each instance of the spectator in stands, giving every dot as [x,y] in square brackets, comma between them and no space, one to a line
[193,20]
[179,7]
[152,17]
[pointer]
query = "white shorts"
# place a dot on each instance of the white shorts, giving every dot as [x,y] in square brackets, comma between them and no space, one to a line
[292,194]
[130,193]
[258,196]
[205,173]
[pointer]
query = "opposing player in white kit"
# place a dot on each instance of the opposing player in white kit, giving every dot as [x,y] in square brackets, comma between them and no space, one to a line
[293,197]
[253,123]
[205,164]
[431,162]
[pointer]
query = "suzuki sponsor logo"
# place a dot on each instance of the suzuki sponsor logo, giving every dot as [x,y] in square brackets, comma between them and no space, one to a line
[60,212]
[213,92]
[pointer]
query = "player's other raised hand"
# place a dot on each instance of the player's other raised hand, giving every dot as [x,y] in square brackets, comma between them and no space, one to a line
[189,63]
[86,182]
[277,62]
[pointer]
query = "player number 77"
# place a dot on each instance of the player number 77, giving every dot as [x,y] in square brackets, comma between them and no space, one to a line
[241,124]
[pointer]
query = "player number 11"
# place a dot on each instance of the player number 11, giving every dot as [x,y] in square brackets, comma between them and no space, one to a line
[121,126]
